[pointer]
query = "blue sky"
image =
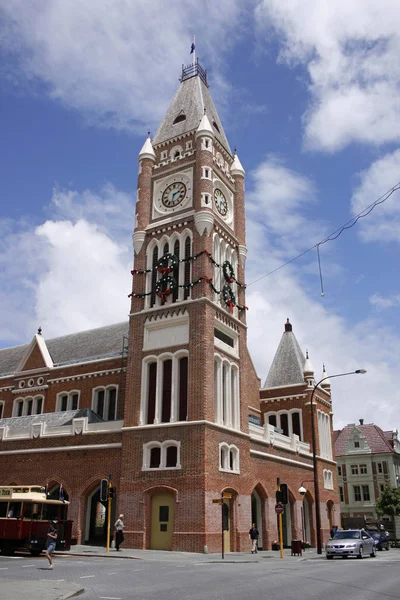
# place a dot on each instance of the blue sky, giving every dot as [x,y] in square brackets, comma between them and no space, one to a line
[309,94]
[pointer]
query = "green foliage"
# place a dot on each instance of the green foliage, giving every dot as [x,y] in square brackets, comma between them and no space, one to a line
[389,502]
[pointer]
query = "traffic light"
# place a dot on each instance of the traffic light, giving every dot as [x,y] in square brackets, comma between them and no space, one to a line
[284,493]
[104,490]
[112,492]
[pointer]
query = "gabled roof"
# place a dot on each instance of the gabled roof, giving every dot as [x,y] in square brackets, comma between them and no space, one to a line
[374,436]
[288,364]
[102,342]
[191,100]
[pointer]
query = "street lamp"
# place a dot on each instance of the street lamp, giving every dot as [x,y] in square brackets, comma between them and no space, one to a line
[314,453]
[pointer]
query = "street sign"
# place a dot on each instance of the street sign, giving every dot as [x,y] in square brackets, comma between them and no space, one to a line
[279,509]
[227,496]
[217,501]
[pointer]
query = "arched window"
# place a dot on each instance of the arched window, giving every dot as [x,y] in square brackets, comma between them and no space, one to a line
[24,407]
[226,389]
[67,401]
[289,421]
[228,457]
[104,402]
[161,455]
[167,401]
[179,119]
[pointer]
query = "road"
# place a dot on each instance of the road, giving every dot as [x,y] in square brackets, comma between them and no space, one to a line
[268,579]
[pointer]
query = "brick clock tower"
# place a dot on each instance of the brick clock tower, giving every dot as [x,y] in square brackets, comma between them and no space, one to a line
[190,380]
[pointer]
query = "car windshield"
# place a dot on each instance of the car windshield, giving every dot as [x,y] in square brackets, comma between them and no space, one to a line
[347,535]
[375,534]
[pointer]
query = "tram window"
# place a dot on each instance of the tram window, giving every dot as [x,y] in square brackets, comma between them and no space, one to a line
[3,510]
[27,510]
[14,510]
[36,510]
[50,512]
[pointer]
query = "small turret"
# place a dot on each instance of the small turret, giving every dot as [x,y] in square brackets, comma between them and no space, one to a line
[326,385]
[205,127]
[147,151]
[236,167]
[308,371]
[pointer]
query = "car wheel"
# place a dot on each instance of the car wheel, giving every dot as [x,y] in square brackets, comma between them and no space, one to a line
[373,553]
[361,553]
[329,557]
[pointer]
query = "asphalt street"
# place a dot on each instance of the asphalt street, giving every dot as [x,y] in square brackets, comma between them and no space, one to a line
[268,579]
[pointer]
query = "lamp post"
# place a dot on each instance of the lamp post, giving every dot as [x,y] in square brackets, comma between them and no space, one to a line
[314,453]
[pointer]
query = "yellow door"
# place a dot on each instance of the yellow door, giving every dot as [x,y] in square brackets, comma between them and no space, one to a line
[162,521]
[227,523]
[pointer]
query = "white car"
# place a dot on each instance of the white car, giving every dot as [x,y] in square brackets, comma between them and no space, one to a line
[351,542]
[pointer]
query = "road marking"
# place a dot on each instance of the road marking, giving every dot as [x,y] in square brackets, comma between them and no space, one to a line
[3,568]
[27,566]
[109,598]
[111,573]
[59,580]
[86,576]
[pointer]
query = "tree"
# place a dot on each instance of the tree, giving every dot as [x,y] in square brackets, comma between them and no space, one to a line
[389,504]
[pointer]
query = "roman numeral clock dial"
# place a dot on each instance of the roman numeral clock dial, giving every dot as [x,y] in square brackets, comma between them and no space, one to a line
[172,193]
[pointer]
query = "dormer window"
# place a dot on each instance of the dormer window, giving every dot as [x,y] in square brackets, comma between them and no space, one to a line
[216,126]
[356,443]
[179,119]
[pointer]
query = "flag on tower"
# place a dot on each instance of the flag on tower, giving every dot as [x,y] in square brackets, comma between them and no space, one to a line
[193,46]
[61,494]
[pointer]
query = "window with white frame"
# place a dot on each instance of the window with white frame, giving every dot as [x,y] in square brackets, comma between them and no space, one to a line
[164,394]
[366,494]
[24,407]
[164,155]
[289,421]
[357,493]
[206,173]
[104,402]
[354,469]
[339,470]
[226,392]
[67,401]
[180,245]
[328,479]
[341,493]
[162,455]
[229,458]
[1,409]
[363,469]
[222,251]
[380,468]
[325,435]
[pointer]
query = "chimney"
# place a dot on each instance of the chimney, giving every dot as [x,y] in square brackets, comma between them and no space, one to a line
[361,421]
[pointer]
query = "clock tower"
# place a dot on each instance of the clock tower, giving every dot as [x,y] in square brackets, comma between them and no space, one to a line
[190,380]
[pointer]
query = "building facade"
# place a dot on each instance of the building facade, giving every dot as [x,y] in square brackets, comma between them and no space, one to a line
[170,404]
[368,459]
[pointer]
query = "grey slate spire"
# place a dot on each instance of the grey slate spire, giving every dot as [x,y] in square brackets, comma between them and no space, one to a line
[191,102]
[288,364]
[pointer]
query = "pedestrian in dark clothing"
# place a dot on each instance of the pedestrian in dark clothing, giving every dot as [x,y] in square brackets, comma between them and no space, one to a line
[254,535]
[52,535]
[119,532]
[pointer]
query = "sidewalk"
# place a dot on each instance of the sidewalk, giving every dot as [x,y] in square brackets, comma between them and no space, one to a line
[161,555]
[45,590]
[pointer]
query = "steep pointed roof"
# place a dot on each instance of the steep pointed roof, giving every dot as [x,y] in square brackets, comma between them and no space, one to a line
[375,438]
[288,364]
[191,101]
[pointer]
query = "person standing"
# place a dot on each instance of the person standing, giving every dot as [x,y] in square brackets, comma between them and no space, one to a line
[52,535]
[254,535]
[119,531]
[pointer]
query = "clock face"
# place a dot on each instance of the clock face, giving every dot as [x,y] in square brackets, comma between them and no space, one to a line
[174,194]
[220,202]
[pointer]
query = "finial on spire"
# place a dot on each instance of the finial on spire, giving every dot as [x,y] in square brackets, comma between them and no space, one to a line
[39,331]
[288,325]
[148,133]
[307,354]
[234,151]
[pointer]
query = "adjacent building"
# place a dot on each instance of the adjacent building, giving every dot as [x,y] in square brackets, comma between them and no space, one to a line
[169,404]
[368,459]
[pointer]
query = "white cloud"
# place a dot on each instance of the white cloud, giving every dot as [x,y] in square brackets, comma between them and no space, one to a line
[108,58]
[382,303]
[383,223]
[351,53]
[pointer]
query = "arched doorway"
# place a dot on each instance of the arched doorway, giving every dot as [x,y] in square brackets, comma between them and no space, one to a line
[162,520]
[330,512]
[96,519]
[306,520]
[57,492]
[257,515]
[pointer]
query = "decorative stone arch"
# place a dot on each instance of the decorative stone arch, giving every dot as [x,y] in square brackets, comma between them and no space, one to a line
[232,514]
[307,519]
[53,487]
[259,498]
[86,498]
[330,513]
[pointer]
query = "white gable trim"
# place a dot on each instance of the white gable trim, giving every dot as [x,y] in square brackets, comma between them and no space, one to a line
[37,340]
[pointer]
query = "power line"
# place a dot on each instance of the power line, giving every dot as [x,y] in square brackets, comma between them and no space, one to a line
[335,234]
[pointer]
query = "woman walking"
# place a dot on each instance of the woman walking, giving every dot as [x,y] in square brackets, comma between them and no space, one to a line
[119,532]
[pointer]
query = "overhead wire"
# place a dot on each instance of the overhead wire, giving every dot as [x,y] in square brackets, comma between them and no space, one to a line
[334,235]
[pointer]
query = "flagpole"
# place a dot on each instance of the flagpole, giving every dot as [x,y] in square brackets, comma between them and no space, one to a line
[194,51]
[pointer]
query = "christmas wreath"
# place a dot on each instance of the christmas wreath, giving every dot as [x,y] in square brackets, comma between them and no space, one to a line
[165,286]
[228,272]
[167,263]
[229,297]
